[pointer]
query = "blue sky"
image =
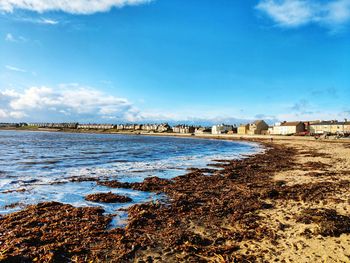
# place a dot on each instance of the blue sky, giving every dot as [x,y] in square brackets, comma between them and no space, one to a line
[194,61]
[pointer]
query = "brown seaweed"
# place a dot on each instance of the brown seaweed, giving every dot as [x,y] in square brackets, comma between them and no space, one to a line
[108,198]
[204,218]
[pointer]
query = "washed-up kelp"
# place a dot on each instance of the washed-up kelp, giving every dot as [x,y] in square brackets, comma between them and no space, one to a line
[108,198]
[205,217]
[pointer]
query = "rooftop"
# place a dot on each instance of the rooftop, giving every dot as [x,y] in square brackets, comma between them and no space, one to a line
[291,123]
[330,123]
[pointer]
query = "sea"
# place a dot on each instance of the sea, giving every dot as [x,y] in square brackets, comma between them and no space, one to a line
[42,165]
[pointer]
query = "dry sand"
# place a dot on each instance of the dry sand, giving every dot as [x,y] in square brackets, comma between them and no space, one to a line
[331,166]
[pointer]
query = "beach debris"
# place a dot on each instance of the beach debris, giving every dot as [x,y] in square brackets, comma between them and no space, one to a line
[14,205]
[51,232]
[204,218]
[328,221]
[151,184]
[108,198]
[20,190]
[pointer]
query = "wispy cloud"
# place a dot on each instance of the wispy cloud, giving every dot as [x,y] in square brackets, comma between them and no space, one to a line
[36,20]
[11,38]
[47,21]
[295,13]
[73,7]
[12,68]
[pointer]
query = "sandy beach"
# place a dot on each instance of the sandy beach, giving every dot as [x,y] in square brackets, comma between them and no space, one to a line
[323,170]
[289,204]
[151,131]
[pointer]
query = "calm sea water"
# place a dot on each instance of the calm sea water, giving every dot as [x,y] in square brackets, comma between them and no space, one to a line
[42,163]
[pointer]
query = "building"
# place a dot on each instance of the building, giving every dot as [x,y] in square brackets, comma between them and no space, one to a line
[63,125]
[183,129]
[307,125]
[270,130]
[150,127]
[138,127]
[329,127]
[234,130]
[243,129]
[347,127]
[258,127]
[221,129]
[9,125]
[164,127]
[202,130]
[120,127]
[96,126]
[288,128]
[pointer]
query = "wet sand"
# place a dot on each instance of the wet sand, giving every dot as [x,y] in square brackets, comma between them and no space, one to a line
[290,204]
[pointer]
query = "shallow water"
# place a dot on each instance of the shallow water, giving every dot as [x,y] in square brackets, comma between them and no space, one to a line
[42,163]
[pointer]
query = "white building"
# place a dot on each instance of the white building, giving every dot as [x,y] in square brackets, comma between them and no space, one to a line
[183,129]
[287,128]
[221,129]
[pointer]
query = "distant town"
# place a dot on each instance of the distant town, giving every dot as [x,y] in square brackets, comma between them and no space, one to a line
[258,127]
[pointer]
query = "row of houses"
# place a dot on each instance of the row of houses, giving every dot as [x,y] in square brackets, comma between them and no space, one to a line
[332,127]
[296,127]
[313,128]
[11,125]
[256,127]
[96,126]
[164,127]
[63,125]
[253,128]
[285,128]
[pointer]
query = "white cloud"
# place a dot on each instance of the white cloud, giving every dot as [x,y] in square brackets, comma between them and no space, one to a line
[73,102]
[11,115]
[35,20]
[69,6]
[11,38]
[47,21]
[12,68]
[294,13]
[3,114]
[17,114]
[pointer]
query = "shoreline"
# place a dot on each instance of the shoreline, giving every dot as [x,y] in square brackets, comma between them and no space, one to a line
[234,214]
[252,148]
[234,137]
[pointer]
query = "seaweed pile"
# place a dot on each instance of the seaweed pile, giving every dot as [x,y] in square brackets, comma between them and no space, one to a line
[51,232]
[107,198]
[204,218]
[329,222]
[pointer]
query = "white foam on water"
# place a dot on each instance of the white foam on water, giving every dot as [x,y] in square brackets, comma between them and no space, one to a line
[44,165]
